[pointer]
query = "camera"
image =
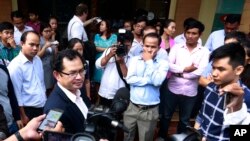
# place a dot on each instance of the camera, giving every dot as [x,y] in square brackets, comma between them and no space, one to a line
[99,119]
[123,35]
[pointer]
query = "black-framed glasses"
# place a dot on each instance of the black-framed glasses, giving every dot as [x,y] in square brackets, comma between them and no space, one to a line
[73,75]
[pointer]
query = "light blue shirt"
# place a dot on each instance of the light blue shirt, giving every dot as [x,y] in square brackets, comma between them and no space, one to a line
[145,79]
[28,81]
[215,40]
[208,70]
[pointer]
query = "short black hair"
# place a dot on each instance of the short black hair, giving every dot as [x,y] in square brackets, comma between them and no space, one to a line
[167,22]
[69,54]
[246,45]
[33,11]
[6,26]
[141,19]
[52,17]
[80,9]
[43,26]
[73,41]
[238,35]
[17,14]
[153,35]
[24,35]
[234,51]
[149,27]
[127,36]
[195,24]
[233,18]
[187,21]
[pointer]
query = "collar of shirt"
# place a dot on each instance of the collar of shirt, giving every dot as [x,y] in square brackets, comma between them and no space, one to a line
[137,42]
[198,47]
[77,19]
[26,28]
[23,58]
[1,45]
[69,94]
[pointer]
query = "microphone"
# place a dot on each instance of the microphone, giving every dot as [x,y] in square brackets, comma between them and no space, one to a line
[121,100]
[106,117]
[117,124]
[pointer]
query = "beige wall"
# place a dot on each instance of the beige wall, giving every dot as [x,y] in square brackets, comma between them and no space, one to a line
[185,9]
[245,18]
[206,16]
[14,5]
[172,9]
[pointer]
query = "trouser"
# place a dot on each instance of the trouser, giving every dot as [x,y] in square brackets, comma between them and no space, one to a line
[32,112]
[171,101]
[143,119]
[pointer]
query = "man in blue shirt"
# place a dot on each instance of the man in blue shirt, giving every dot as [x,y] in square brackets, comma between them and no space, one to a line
[217,111]
[26,73]
[146,73]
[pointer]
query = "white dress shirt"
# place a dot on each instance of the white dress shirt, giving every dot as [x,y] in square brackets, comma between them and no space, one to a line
[76,29]
[241,117]
[111,80]
[77,99]
[28,81]
[18,33]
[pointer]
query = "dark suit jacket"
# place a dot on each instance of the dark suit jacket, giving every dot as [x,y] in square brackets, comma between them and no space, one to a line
[72,118]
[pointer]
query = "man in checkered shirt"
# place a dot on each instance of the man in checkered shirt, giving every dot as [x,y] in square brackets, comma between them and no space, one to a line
[216,114]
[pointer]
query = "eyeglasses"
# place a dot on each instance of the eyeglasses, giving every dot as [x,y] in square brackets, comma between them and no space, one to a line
[73,75]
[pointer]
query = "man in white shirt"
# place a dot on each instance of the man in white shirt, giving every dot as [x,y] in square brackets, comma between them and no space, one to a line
[76,24]
[216,38]
[26,73]
[109,61]
[19,25]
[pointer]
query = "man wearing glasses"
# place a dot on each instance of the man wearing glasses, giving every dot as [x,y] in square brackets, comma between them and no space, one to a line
[69,71]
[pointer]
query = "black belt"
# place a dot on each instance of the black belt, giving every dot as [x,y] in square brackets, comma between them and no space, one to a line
[144,107]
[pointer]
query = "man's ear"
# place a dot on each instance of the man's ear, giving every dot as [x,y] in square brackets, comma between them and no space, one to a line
[56,75]
[21,43]
[238,70]
[248,62]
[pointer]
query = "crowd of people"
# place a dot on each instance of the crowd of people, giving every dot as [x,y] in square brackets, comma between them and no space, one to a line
[162,72]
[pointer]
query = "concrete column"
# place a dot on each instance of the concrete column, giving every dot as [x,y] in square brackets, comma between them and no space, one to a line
[245,18]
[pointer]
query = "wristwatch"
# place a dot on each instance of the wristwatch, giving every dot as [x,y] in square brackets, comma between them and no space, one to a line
[18,136]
